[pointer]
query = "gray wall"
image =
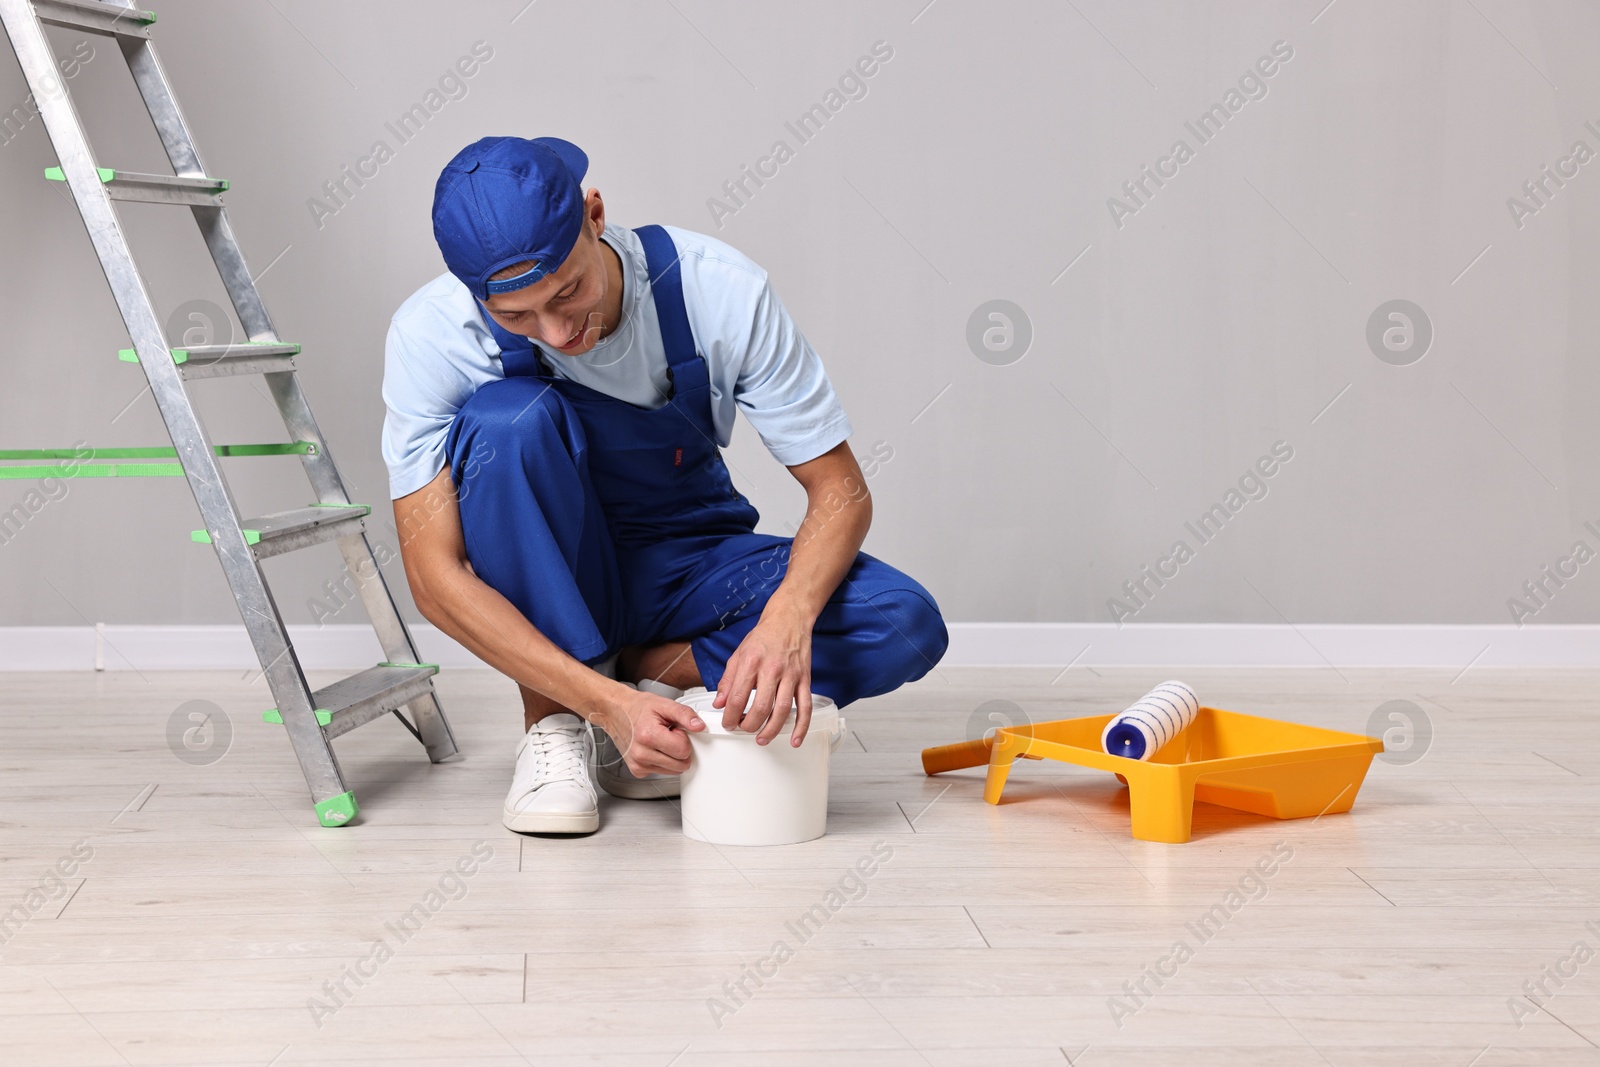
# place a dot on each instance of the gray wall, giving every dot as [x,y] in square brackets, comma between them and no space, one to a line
[1222,317]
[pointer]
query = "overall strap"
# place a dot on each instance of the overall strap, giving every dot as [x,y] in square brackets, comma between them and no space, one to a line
[666,288]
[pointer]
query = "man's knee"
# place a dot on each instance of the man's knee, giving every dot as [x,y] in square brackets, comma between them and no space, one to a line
[915,638]
[516,418]
[511,408]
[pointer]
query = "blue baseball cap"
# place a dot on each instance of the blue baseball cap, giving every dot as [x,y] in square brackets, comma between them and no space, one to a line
[508,200]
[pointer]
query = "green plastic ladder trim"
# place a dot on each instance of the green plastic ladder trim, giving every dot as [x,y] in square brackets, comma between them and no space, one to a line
[288,448]
[128,470]
[275,716]
[94,470]
[435,666]
[203,537]
[56,174]
[338,811]
[181,355]
[284,448]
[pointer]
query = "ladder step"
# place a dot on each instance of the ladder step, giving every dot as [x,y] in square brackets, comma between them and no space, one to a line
[288,531]
[360,698]
[154,188]
[374,692]
[91,16]
[220,361]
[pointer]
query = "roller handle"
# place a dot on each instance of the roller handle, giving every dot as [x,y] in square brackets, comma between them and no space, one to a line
[955,757]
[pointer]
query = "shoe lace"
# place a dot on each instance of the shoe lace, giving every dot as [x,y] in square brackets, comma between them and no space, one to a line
[560,756]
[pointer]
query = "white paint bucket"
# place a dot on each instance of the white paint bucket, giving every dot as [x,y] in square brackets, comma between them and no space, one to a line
[737,792]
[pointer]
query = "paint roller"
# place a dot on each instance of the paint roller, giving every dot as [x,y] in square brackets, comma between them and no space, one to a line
[1157,717]
[1137,733]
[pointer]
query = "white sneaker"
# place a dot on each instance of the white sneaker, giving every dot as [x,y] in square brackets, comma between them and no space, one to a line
[550,791]
[612,771]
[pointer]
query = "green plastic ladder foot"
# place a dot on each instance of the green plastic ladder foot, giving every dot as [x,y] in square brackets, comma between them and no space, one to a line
[338,811]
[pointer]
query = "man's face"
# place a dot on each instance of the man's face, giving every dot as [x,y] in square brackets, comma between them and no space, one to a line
[562,310]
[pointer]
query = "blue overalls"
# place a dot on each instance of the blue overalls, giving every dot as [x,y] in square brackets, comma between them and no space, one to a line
[608,524]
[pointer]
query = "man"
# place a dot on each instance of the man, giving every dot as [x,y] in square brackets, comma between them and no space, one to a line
[556,403]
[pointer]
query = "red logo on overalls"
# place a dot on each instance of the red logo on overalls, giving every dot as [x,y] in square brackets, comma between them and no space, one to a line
[677,457]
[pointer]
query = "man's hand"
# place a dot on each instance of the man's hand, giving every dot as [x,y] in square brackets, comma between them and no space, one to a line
[651,732]
[773,662]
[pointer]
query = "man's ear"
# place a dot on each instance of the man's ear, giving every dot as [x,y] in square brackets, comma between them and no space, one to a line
[594,209]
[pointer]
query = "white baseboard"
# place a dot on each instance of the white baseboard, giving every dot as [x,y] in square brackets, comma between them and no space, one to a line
[349,647]
[1251,645]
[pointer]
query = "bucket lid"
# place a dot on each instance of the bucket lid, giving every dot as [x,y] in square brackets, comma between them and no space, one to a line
[824,713]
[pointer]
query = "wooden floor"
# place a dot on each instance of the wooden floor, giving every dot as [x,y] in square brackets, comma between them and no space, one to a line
[213,913]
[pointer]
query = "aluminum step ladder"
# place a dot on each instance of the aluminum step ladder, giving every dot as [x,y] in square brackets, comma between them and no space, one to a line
[312,719]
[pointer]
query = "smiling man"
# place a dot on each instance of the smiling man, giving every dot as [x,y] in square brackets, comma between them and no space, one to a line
[556,403]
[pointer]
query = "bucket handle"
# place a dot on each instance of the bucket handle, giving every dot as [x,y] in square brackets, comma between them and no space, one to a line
[837,736]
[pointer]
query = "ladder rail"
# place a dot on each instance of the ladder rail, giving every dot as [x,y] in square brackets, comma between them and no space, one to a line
[162,104]
[234,272]
[320,468]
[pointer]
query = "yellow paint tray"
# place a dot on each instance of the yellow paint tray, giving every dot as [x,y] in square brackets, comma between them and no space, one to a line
[1264,766]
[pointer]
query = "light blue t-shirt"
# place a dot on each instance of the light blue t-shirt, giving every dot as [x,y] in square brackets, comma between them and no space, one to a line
[439,352]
